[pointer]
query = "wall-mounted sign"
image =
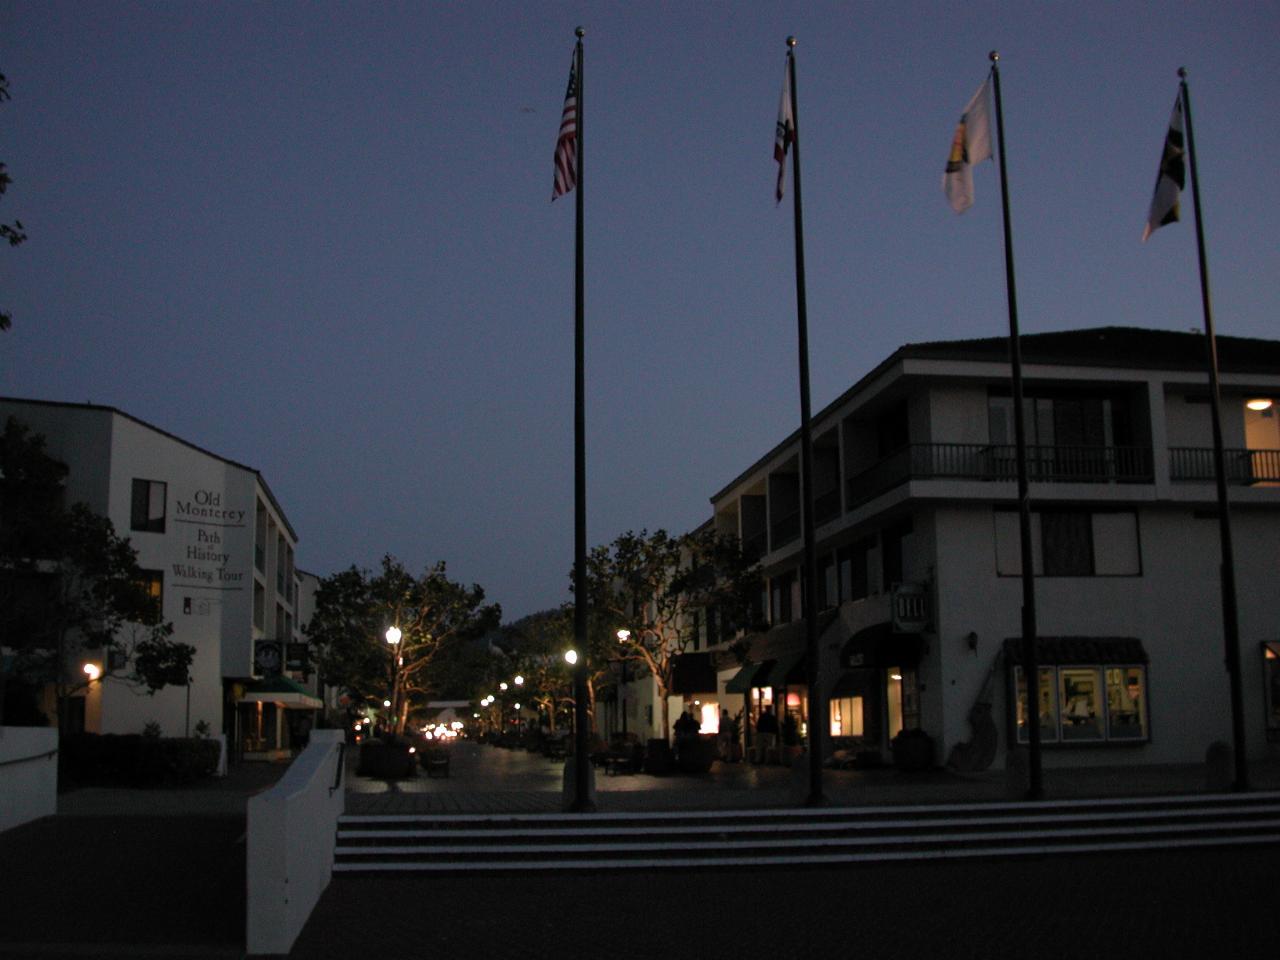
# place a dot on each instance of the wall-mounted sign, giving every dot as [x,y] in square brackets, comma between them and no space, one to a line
[268,658]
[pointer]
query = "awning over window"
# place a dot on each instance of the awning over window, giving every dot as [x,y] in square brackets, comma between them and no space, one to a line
[1056,651]
[852,683]
[693,673]
[748,677]
[281,690]
[878,646]
[787,671]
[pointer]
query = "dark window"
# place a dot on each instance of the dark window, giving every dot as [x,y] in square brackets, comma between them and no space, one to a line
[1067,541]
[892,433]
[780,598]
[153,583]
[891,552]
[148,511]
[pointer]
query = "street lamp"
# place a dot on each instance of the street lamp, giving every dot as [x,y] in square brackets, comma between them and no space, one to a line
[393,636]
[571,657]
[519,680]
[623,636]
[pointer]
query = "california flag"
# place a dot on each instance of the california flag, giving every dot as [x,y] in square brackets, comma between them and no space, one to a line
[970,145]
[1171,178]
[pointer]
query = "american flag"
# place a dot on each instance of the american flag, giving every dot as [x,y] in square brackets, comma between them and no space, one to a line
[567,144]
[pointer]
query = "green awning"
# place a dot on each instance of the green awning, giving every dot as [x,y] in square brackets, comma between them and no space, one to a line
[745,679]
[281,690]
[787,671]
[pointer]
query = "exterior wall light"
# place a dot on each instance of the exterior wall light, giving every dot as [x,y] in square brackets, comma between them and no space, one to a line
[1259,403]
[92,671]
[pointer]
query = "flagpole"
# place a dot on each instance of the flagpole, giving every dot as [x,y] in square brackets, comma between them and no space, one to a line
[1231,625]
[582,735]
[1030,666]
[809,595]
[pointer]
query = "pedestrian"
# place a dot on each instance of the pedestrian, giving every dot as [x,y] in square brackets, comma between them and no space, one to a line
[725,736]
[686,730]
[766,735]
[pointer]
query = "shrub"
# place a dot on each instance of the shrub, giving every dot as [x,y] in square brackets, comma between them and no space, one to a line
[136,760]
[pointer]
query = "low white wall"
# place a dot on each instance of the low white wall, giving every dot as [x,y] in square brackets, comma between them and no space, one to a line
[28,774]
[291,834]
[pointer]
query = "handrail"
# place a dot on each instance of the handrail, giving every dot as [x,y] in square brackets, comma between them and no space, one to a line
[35,756]
[337,774]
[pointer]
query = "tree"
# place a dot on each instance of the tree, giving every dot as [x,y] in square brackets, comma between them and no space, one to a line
[14,232]
[658,588]
[69,583]
[354,610]
[537,645]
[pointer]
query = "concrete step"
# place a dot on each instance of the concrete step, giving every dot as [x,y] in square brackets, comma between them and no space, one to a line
[478,842]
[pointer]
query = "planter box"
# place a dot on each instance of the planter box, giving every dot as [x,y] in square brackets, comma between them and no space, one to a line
[658,759]
[913,750]
[385,761]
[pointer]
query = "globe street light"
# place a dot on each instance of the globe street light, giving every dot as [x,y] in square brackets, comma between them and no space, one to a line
[623,636]
[393,636]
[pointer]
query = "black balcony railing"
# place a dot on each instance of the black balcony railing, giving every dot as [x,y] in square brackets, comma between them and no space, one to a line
[1195,465]
[974,461]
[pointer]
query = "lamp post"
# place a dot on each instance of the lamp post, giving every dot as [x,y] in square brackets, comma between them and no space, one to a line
[393,636]
[623,636]
[571,658]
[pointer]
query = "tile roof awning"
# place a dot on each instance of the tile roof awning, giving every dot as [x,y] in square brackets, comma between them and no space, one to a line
[878,646]
[693,673]
[281,690]
[1057,651]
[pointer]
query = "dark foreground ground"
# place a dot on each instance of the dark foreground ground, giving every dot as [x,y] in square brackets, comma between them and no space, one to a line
[1192,904]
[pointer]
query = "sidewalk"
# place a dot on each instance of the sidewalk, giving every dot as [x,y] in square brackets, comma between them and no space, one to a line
[486,779]
[134,873]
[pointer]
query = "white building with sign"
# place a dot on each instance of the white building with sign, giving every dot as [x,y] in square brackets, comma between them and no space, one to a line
[217,549]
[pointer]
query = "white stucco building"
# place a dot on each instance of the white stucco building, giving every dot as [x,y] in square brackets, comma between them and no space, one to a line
[919,558]
[219,552]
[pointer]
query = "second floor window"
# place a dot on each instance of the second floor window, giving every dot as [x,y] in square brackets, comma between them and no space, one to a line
[147,513]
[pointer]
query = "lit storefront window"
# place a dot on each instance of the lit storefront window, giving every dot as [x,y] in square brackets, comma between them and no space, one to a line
[846,717]
[1087,704]
[1048,708]
[1126,704]
[1271,677]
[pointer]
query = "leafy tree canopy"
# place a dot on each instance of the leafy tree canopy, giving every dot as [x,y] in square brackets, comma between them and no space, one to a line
[12,233]
[435,616]
[658,588]
[69,583]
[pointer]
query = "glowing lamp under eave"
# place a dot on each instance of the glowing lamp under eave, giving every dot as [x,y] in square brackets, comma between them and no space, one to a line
[1259,403]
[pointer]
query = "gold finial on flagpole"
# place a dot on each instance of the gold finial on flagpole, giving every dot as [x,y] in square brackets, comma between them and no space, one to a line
[993,56]
[791,42]
[1182,73]
[579,33]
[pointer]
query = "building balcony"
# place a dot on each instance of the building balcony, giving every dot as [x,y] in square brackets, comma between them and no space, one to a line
[785,529]
[975,461]
[1243,467]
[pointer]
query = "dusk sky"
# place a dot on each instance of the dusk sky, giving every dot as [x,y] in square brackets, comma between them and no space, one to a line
[318,239]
